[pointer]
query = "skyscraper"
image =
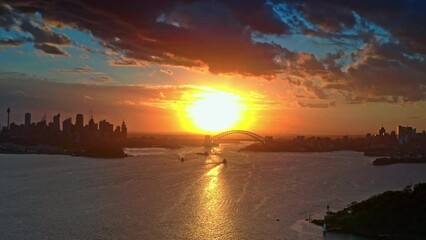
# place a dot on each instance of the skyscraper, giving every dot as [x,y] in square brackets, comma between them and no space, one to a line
[405,134]
[79,121]
[67,127]
[56,123]
[123,130]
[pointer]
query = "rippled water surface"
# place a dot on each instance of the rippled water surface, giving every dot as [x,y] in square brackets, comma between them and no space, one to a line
[154,195]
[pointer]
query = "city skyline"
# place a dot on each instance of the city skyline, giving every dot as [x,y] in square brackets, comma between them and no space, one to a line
[63,130]
[286,69]
[80,120]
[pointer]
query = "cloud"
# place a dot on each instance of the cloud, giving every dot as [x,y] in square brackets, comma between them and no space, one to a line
[216,34]
[316,91]
[42,34]
[101,79]
[43,37]
[384,72]
[126,62]
[11,42]
[377,51]
[79,70]
[316,104]
[166,71]
[404,19]
[50,49]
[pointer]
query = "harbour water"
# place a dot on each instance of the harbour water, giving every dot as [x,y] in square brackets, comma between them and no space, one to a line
[155,195]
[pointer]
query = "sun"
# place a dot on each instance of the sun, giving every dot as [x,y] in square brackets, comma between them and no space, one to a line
[215,111]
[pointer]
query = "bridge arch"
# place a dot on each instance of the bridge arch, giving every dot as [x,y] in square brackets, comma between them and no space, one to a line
[253,135]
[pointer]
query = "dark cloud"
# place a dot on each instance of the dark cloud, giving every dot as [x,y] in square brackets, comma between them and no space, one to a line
[383,71]
[327,16]
[404,19]
[50,49]
[43,37]
[42,34]
[316,104]
[10,42]
[217,35]
[258,15]
[7,17]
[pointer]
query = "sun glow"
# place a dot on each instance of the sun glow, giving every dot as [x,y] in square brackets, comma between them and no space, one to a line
[215,110]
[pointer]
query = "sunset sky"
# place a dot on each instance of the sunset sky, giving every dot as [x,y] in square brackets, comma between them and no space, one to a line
[307,66]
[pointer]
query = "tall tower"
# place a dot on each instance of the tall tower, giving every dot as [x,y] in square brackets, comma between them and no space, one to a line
[8,118]
[123,130]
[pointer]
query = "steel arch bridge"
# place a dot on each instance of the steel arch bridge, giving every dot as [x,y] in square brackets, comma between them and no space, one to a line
[253,135]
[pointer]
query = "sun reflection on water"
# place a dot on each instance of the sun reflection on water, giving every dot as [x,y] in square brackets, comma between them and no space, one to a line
[214,220]
[211,191]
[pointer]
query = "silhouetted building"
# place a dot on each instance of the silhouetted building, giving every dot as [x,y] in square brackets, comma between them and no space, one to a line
[56,123]
[405,134]
[67,127]
[105,129]
[79,121]
[382,131]
[92,129]
[50,132]
[123,130]
[117,132]
[27,120]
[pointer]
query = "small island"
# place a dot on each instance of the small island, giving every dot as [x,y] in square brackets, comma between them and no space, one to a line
[390,215]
